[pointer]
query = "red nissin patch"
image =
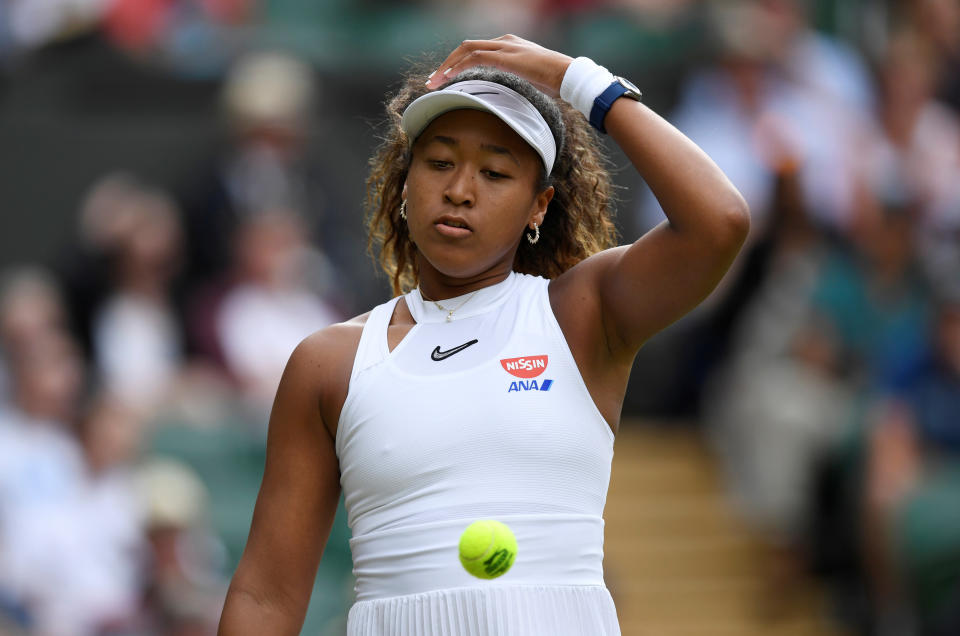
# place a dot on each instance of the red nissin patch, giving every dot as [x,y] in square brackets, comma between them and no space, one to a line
[525,367]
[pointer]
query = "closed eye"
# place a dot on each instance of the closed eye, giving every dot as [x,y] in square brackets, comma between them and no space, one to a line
[439,164]
[492,174]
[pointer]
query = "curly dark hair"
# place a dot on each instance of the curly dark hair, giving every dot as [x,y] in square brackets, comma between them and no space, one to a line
[578,222]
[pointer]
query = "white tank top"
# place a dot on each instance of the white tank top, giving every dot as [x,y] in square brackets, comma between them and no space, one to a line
[484,416]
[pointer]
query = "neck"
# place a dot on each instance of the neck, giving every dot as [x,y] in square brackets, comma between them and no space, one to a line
[437,286]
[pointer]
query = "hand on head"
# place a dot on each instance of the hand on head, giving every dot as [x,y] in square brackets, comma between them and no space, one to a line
[540,66]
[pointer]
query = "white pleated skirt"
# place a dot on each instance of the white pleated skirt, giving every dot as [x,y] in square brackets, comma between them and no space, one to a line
[501,610]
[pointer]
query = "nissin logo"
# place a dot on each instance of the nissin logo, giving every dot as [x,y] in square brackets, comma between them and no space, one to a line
[525,367]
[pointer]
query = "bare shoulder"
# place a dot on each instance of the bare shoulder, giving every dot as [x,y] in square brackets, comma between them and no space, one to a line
[332,342]
[324,360]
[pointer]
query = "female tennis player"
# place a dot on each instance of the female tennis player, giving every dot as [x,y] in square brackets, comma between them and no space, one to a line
[492,388]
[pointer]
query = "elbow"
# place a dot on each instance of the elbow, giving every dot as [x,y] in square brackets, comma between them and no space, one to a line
[734,222]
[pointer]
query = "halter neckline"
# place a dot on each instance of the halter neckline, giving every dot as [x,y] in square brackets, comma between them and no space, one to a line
[459,307]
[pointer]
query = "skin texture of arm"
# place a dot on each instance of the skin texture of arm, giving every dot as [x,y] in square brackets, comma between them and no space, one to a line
[611,303]
[270,591]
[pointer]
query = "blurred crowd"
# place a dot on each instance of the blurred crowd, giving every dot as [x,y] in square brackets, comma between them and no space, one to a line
[137,368]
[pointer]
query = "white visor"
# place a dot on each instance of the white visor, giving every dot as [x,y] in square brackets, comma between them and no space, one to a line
[507,104]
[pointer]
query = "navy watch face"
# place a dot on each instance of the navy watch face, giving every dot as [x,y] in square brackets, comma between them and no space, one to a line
[632,91]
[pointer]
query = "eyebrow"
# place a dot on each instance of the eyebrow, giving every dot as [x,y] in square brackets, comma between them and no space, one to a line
[499,150]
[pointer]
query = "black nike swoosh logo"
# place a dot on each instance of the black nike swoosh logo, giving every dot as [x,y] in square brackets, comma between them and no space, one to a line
[438,355]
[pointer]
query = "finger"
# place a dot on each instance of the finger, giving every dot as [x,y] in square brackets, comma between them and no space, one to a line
[454,61]
[495,59]
[445,70]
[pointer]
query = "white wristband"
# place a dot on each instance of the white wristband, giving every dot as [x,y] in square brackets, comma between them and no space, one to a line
[583,82]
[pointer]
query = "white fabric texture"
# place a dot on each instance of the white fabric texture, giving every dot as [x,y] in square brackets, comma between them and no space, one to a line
[583,82]
[502,428]
[503,610]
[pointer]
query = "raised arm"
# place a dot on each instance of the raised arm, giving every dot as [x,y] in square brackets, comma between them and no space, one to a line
[621,297]
[270,590]
[667,272]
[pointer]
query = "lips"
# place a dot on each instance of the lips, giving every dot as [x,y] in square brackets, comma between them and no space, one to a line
[453,226]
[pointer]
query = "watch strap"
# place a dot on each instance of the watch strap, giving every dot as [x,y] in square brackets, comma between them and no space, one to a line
[603,103]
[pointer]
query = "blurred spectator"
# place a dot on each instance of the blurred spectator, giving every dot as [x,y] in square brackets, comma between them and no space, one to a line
[187,585]
[31,306]
[270,308]
[137,340]
[41,478]
[774,70]
[912,484]
[111,433]
[267,102]
[875,298]
[107,528]
[106,216]
[920,129]
[70,557]
[919,147]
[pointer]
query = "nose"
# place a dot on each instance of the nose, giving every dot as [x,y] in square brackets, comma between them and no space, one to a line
[460,188]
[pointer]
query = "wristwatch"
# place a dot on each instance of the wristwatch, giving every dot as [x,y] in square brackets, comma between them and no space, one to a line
[601,105]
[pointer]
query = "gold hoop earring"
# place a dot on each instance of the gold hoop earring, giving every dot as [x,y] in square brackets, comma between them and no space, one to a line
[536,236]
[403,209]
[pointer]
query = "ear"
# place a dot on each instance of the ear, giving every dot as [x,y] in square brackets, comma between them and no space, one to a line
[403,193]
[540,204]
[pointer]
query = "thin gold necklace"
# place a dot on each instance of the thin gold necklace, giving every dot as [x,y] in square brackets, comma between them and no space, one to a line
[446,309]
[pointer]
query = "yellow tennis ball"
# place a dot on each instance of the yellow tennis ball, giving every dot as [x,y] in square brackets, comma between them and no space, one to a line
[487,549]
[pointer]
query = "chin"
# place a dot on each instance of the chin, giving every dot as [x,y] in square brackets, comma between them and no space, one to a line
[455,264]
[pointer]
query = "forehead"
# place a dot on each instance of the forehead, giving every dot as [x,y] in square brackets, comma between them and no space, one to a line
[472,129]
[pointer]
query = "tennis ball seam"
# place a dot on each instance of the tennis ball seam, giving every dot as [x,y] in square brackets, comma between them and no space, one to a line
[493,540]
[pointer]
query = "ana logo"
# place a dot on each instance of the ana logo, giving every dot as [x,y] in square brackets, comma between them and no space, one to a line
[523,385]
[526,367]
